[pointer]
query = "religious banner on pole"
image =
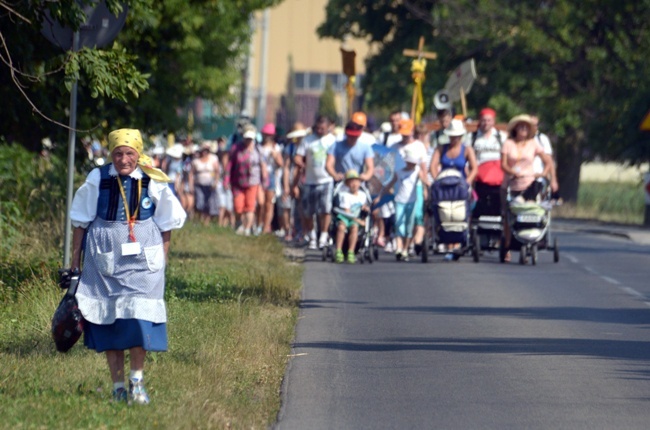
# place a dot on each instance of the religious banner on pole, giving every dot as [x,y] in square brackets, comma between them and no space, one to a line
[349,70]
[418,67]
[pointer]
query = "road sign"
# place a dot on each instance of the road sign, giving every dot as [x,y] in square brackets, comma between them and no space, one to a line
[100,28]
[461,78]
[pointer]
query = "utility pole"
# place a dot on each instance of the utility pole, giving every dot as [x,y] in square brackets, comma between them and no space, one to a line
[261,100]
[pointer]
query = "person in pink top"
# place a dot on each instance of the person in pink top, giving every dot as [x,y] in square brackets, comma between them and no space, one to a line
[517,156]
[245,172]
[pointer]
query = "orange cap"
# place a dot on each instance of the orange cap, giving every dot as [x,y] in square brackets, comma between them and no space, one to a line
[405,127]
[359,118]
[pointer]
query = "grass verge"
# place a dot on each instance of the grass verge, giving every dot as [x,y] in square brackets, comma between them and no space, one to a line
[231,309]
[619,202]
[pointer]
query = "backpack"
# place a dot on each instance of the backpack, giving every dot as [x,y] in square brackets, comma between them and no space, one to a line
[475,135]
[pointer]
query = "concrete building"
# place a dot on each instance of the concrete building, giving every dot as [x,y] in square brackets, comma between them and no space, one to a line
[287,33]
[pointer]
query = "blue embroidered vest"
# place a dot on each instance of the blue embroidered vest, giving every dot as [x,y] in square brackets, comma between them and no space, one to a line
[110,206]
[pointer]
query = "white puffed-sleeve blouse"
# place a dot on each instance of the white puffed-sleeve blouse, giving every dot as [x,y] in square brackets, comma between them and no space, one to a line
[169,213]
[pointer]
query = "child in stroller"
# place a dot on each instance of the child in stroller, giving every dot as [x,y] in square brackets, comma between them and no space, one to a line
[352,209]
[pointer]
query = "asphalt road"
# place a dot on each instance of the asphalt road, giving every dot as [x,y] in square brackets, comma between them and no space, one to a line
[475,346]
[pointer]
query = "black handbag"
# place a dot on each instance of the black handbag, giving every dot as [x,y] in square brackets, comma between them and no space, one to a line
[67,322]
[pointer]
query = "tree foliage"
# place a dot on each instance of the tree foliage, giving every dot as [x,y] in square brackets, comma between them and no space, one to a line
[582,66]
[168,52]
[327,103]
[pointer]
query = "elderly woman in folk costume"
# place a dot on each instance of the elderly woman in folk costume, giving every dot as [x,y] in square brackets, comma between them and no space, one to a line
[123,216]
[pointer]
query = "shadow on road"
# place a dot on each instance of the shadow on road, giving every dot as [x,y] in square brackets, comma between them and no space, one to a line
[617,316]
[596,348]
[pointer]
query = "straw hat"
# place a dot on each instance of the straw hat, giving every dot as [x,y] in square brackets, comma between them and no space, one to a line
[520,118]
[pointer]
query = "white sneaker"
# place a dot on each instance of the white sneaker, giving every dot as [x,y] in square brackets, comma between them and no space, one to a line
[279,233]
[389,247]
[322,241]
[240,230]
[247,232]
[312,244]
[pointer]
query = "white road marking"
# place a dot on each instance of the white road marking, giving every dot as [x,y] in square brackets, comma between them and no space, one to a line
[630,291]
[571,258]
[611,280]
[633,292]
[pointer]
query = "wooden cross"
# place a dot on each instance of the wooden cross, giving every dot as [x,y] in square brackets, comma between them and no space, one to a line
[419,54]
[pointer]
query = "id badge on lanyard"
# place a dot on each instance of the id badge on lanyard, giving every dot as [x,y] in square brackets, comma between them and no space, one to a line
[132,247]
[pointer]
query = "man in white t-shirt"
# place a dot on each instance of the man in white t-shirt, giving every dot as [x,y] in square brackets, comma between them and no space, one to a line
[393,138]
[545,143]
[316,197]
[486,140]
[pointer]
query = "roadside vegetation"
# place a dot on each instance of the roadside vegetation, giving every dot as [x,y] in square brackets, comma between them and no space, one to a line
[618,202]
[232,306]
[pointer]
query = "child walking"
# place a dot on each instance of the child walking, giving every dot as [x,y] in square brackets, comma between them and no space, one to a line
[405,183]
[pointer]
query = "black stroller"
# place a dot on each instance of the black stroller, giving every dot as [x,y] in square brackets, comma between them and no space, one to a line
[487,223]
[449,210]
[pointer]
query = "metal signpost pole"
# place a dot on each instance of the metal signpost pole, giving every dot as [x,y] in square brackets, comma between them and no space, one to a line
[72,136]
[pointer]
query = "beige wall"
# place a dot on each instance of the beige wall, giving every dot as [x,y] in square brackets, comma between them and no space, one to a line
[292,31]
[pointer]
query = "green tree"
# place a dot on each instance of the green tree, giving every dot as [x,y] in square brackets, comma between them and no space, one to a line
[582,67]
[327,102]
[169,52]
[289,99]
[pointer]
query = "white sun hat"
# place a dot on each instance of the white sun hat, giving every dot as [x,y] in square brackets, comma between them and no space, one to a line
[456,128]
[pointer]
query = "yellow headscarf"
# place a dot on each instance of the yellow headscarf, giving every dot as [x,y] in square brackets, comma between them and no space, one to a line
[133,139]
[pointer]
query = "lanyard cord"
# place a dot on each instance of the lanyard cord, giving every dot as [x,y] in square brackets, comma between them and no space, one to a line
[131,218]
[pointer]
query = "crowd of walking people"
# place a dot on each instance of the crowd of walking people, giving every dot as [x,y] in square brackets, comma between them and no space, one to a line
[260,182]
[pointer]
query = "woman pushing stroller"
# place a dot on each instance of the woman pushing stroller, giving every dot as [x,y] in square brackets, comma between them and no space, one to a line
[454,156]
[517,156]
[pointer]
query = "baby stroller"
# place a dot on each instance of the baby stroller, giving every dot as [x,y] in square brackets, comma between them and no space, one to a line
[487,223]
[363,247]
[449,207]
[530,222]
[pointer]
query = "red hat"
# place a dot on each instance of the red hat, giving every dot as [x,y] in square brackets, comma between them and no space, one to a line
[353,129]
[488,112]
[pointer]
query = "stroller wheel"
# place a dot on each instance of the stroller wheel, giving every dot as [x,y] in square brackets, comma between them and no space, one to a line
[522,255]
[367,256]
[324,253]
[556,251]
[476,247]
[502,251]
[533,254]
[375,253]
